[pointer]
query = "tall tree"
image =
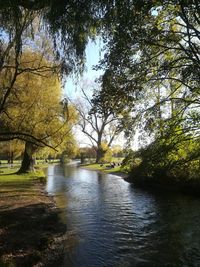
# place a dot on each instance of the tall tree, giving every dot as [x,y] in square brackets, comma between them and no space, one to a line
[99,124]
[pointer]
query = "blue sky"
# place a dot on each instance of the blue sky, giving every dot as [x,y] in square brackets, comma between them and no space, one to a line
[93,55]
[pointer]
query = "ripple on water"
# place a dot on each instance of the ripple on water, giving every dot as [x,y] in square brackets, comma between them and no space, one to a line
[112,224]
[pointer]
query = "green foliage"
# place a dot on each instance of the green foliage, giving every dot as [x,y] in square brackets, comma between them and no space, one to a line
[35,108]
[131,161]
[107,156]
[154,45]
[151,72]
[70,149]
[173,159]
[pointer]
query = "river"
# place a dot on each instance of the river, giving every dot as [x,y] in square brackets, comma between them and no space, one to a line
[111,223]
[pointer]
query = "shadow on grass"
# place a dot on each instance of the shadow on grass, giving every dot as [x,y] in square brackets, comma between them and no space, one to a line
[26,232]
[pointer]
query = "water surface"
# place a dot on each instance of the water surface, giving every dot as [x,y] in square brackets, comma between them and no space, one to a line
[110,223]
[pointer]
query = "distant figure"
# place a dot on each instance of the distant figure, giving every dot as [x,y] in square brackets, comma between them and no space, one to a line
[112,164]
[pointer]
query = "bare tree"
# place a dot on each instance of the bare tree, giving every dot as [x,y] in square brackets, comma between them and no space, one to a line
[101,128]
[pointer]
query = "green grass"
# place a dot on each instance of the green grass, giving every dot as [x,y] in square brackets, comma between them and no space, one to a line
[29,223]
[41,165]
[116,169]
[94,166]
[97,167]
[9,175]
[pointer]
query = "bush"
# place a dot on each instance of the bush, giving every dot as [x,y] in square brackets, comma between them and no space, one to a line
[165,160]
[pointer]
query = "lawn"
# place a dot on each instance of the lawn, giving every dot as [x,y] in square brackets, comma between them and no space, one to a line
[104,168]
[9,175]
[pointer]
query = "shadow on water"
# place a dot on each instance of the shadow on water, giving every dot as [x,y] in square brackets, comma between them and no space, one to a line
[112,223]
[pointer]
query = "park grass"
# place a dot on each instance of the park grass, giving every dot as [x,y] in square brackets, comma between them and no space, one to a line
[30,228]
[104,168]
[99,167]
[9,175]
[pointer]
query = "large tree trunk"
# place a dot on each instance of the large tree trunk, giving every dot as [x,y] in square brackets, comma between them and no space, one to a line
[27,162]
[100,153]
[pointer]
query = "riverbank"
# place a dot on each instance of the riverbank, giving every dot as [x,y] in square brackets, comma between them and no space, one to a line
[31,233]
[105,169]
[191,187]
[167,184]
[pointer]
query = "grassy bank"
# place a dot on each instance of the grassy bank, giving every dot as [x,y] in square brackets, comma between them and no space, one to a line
[106,169]
[30,230]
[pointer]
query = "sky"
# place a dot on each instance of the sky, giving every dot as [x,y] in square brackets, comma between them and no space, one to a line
[93,55]
[72,86]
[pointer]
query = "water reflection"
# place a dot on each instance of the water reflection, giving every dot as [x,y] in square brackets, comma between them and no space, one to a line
[112,223]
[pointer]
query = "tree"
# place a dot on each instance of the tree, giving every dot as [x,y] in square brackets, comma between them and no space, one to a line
[86,153]
[66,24]
[69,23]
[151,62]
[17,63]
[18,29]
[162,51]
[11,150]
[35,107]
[99,124]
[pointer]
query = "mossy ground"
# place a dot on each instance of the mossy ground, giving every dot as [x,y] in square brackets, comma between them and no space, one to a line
[30,230]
